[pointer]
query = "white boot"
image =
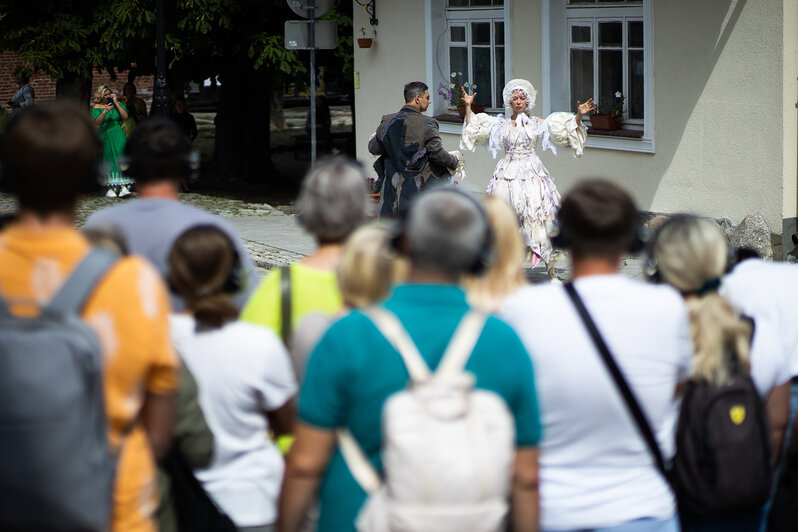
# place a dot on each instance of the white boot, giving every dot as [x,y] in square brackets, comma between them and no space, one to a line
[124,192]
[111,193]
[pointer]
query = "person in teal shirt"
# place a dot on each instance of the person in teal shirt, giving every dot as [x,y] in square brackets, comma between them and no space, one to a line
[354,369]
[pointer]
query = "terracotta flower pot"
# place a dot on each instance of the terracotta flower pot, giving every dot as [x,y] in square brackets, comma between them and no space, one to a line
[604,122]
[364,42]
[475,108]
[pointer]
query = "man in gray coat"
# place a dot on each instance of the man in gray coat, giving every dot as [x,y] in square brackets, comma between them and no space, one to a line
[412,156]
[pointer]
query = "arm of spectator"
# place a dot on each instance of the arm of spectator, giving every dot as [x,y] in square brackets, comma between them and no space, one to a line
[305,465]
[158,417]
[281,420]
[436,153]
[525,499]
[191,433]
[778,409]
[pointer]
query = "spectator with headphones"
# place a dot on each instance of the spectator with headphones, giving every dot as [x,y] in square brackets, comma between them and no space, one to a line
[243,375]
[158,156]
[596,472]
[354,369]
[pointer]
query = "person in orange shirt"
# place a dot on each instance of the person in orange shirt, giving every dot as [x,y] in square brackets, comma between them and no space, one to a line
[49,155]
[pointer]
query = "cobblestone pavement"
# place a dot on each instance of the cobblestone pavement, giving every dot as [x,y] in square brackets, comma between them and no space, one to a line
[261,246]
[265,256]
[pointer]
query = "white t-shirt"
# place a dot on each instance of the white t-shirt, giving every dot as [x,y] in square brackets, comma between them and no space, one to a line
[595,467]
[242,371]
[768,292]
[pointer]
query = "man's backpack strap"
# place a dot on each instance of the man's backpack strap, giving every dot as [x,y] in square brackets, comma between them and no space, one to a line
[393,330]
[357,462]
[643,425]
[462,344]
[285,304]
[74,293]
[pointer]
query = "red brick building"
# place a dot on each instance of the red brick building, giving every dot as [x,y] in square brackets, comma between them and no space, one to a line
[44,86]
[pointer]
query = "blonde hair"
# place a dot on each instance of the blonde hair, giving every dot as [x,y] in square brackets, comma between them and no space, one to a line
[505,273]
[368,269]
[99,94]
[691,255]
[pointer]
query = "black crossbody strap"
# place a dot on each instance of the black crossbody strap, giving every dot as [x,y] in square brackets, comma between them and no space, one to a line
[628,396]
[285,304]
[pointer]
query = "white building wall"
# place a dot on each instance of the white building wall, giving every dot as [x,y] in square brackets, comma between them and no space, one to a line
[725,128]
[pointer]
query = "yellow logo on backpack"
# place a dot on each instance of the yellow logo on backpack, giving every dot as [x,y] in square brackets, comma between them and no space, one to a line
[737,414]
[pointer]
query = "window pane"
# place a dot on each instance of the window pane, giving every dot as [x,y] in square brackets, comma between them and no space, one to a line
[498,32]
[457,34]
[610,34]
[635,97]
[636,34]
[580,34]
[458,3]
[480,33]
[480,2]
[610,77]
[498,2]
[481,68]
[499,75]
[581,76]
[575,2]
[458,61]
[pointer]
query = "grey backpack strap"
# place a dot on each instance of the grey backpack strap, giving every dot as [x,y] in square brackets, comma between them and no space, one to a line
[285,304]
[79,285]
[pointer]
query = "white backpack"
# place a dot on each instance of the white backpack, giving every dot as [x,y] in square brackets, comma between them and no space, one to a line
[447,448]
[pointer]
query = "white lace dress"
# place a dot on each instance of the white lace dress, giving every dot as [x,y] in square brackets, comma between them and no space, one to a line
[520,178]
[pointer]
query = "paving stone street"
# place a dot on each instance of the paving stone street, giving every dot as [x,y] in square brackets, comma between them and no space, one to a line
[273,236]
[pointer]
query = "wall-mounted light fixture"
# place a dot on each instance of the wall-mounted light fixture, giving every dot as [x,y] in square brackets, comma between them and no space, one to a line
[368,7]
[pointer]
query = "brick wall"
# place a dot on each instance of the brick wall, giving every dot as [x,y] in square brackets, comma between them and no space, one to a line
[44,86]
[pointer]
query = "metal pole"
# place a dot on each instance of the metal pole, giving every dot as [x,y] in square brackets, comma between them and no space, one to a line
[160,96]
[312,44]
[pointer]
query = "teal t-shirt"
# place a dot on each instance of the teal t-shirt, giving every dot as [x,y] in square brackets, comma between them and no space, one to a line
[354,369]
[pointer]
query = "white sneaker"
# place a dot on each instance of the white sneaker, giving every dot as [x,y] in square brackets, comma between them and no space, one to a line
[124,192]
[111,193]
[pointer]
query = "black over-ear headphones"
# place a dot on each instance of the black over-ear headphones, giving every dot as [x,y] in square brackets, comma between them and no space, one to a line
[562,237]
[651,267]
[237,277]
[486,253]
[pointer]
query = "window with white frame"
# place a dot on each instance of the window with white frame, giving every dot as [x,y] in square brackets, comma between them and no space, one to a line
[475,36]
[599,48]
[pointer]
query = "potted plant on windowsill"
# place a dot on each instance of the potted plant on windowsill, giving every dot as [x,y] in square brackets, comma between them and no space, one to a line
[364,41]
[604,120]
[452,92]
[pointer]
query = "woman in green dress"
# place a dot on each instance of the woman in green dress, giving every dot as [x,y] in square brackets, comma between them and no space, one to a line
[108,114]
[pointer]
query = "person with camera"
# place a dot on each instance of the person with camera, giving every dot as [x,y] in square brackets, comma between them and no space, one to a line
[108,114]
[23,98]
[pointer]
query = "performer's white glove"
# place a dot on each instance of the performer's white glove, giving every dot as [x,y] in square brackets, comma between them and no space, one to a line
[458,173]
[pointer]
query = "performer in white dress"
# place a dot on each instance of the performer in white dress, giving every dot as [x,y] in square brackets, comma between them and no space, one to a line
[520,178]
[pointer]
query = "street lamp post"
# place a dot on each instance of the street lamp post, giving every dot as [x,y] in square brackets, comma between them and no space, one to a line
[160,93]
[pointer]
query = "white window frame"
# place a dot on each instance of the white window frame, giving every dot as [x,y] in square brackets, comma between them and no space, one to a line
[464,17]
[557,49]
[437,53]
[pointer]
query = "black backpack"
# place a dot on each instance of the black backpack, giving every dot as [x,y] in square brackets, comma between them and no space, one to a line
[723,450]
[723,454]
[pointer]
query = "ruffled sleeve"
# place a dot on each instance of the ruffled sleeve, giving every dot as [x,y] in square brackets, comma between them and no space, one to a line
[562,129]
[477,131]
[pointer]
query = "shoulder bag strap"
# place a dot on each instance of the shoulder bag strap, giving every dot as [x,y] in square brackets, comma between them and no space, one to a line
[285,304]
[81,283]
[628,396]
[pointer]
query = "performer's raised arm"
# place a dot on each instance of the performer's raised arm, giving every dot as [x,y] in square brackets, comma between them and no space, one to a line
[468,99]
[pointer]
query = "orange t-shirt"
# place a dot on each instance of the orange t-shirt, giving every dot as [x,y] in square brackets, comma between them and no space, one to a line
[128,310]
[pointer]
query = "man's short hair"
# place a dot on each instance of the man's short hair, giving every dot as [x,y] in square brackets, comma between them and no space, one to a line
[49,157]
[157,150]
[333,200]
[413,89]
[445,232]
[598,218]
